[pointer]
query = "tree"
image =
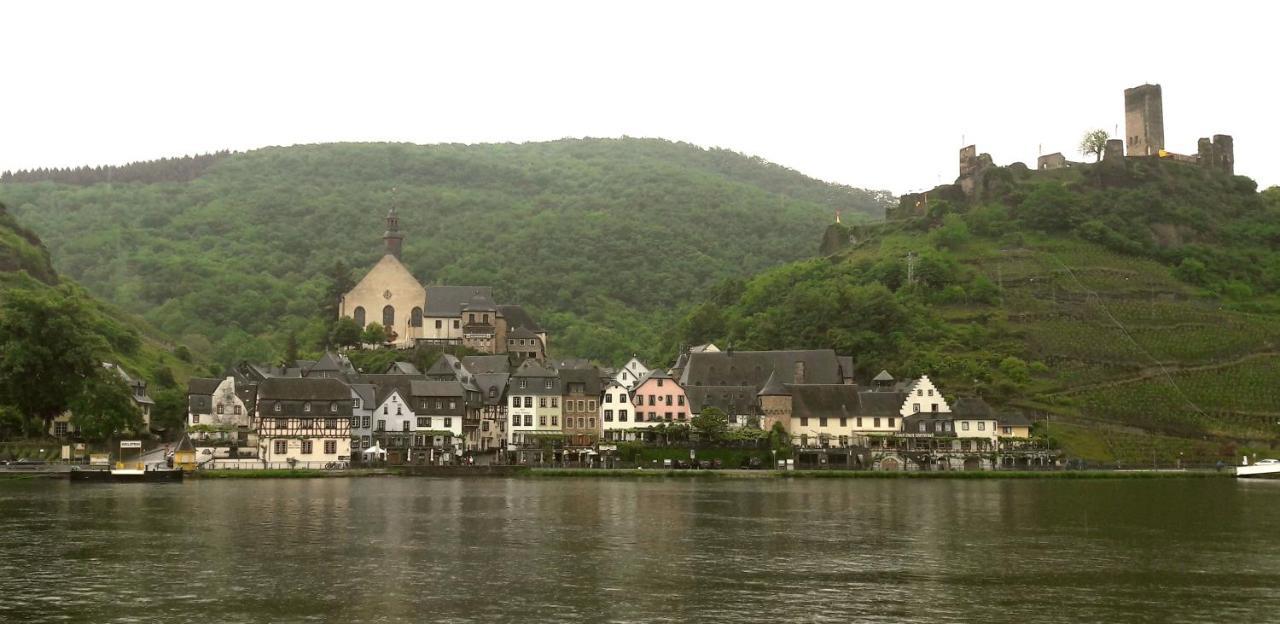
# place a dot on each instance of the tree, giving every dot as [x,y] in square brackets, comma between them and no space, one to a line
[104,407]
[170,411]
[373,334]
[1094,142]
[346,333]
[711,424]
[291,349]
[48,354]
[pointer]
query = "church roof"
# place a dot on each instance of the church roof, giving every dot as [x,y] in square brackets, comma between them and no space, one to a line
[447,301]
[731,400]
[752,368]
[773,387]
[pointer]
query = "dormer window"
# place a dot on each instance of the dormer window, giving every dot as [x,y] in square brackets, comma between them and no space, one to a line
[306,407]
[276,407]
[333,407]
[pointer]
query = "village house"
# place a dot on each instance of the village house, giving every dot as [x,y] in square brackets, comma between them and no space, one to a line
[220,418]
[616,413]
[363,403]
[63,425]
[659,398]
[440,409]
[580,412]
[975,423]
[534,405]
[304,422]
[631,372]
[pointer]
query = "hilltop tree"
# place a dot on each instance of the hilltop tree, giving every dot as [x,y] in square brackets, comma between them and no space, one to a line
[1094,142]
[104,407]
[291,349]
[48,355]
[346,333]
[373,334]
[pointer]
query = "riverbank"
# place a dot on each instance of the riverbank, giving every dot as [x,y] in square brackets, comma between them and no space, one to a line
[872,474]
[292,474]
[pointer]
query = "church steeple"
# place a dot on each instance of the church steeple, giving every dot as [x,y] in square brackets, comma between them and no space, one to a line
[392,237]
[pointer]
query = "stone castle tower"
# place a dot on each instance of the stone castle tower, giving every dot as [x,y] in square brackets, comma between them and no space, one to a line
[1144,120]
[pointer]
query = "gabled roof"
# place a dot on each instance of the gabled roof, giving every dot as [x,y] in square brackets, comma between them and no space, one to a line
[384,385]
[446,366]
[517,317]
[402,368]
[572,363]
[435,389]
[447,301]
[481,364]
[875,403]
[521,332]
[368,394]
[588,377]
[304,389]
[496,381]
[1014,419]
[479,302]
[327,362]
[883,376]
[826,400]
[533,368]
[656,373]
[752,368]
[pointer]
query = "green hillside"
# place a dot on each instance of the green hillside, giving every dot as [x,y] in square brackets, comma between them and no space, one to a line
[107,333]
[1137,308]
[603,239]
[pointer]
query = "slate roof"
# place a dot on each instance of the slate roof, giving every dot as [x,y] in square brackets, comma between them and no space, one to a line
[498,381]
[883,376]
[479,302]
[202,385]
[329,362]
[752,368]
[367,393]
[773,387]
[535,374]
[1014,419]
[435,388]
[875,403]
[402,368]
[573,363]
[304,389]
[449,300]
[446,366]
[826,400]
[384,385]
[521,332]
[731,400]
[972,407]
[482,364]
[516,316]
[588,377]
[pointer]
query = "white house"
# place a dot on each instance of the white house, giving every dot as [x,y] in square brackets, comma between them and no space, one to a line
[923,396]
[631,373]
[617,415]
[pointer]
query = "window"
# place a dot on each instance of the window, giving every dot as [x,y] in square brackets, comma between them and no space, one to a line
[542,401]
[484,425]
[60,428]
[915,407]
[844,421]
[471,318]
[404,425]
[1006,430]
[457,323]
[439,404]
[276,407]
[422,405]
[859,421]
[542,421]
[448,422]
[384,410]
[415,317]
[484,318]
[399,410]
[331,423]
[555,401]
[608,398]
[822,421]
[804,421]
[528,420]
[515,401]
[439,324]
[680,415]
[330,447]
[982,425]
[235,409]
[608,415]
[493,392]
[528,401]
[382,425]
[591,422]
[333,407]
[622,415]
[219,408]
[651,398]
[930,391]
[919,392]
[555,420]
[666,416]
[524,383]
[964,426]
[922,426]
[515,420]
[424,422]
[281,447]
[933,407]
[893,423]
[875,422]
[680,400]
[365,423]
[282,423]
[306,447]
[195,419]
[582,406]
[358,315]
[591,406]
[388,317]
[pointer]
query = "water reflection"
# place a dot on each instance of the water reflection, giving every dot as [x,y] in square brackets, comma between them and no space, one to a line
[409,550]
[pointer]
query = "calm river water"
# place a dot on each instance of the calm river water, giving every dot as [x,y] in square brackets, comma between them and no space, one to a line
[587,550]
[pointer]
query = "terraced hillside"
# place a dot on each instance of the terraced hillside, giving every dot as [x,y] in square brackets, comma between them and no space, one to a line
[1131,352]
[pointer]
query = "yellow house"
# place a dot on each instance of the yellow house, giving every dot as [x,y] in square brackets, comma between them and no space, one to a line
[1014,425]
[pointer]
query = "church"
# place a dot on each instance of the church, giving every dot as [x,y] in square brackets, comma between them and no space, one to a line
[415,314]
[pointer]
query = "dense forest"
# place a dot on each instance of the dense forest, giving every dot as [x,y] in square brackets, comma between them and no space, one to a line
[56,337]
[604,240]
[1140,300]
[178,169]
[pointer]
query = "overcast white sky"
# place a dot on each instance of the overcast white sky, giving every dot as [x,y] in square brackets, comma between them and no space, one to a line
[873,96]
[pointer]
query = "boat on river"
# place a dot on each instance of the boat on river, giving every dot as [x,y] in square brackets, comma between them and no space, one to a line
[1265,469]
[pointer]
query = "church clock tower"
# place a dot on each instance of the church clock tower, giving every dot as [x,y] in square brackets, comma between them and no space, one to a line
[392,237]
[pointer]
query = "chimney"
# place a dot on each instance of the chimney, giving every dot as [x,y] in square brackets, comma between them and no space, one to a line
[798,377]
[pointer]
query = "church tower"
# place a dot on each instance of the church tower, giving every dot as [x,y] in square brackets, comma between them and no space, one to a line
[392,237]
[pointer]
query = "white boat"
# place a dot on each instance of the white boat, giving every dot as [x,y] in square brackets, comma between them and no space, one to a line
[1265,469]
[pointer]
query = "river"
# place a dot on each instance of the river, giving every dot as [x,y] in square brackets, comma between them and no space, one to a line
[676,550]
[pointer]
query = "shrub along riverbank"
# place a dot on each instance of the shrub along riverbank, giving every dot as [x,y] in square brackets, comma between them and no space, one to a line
[872,474]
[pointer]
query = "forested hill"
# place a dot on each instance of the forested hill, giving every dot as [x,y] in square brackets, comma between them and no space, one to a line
[1138,308]
[603,239]
[52,332]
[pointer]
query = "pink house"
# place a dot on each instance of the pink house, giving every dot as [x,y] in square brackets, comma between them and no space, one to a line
[659,398]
